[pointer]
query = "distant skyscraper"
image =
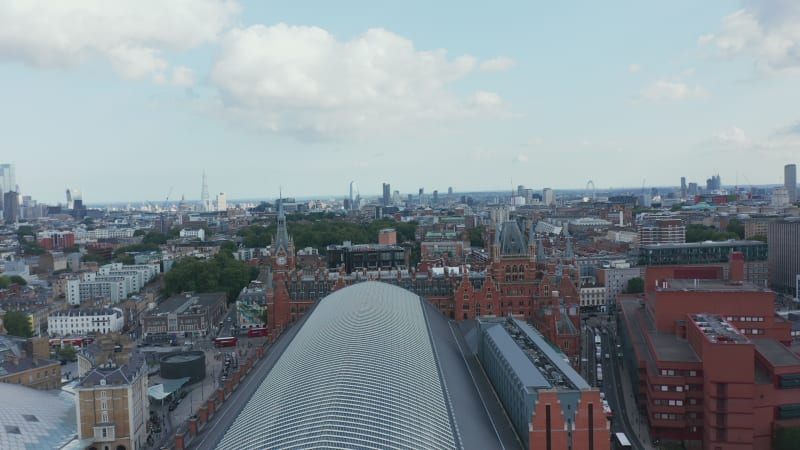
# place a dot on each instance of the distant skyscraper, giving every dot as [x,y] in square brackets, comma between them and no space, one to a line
[387,194]
[790,181]
[692,189]
[7,180]
[205,199]
[683,188]
[450,190]
[548,197]
[421,195]
[435,197]
[10,206]
[714,183]
[222,202]
[354,195]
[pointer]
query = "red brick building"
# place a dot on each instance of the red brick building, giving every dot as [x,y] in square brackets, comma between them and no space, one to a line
[708,358]
[519,281]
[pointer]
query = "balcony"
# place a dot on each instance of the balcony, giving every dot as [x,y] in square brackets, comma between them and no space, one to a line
[105,432]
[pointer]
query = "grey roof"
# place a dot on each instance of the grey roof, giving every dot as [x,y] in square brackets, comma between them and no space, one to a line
[35,419]
[114,376]
[87,312]
[512,241]
[556,358]
[180,303]
[776,353]
[361,373]
[522,367]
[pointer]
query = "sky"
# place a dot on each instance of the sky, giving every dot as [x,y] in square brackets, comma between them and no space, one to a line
[133,99]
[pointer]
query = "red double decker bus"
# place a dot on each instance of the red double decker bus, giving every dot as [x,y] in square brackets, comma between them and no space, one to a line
[257,332]
[225,342]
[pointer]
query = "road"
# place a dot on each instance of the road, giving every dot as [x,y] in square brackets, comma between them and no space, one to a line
[612,380]
[209,437]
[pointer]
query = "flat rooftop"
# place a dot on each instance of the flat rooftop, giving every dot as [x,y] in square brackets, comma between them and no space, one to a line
[776,353]
[181,303]
[670,348]
[710,286]
[717,329]
[706,244]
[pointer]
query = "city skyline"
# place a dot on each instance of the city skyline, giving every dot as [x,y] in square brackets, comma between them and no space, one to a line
[124,107]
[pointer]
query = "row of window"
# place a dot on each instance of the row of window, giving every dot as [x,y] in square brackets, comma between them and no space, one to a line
[661,402]
[678,373]
[744,319]
[752,331]
[668,416]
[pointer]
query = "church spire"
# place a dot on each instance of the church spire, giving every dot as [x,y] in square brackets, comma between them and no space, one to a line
[282,235]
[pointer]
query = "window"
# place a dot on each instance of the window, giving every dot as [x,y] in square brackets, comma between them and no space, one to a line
[102,394]
[104,415]
[104,432]
[104,405]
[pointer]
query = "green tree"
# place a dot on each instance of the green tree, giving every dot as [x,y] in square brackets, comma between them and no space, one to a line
[67,353]
[476,236]
[219,273]
[228,246]
[92,257]
[125,259]
[759,237]
[18,324]
[139,232]
[72,249]
[18,280]
[154,238]
[265,316]
[4,281]
[736,227]
[635,286]
[32,248]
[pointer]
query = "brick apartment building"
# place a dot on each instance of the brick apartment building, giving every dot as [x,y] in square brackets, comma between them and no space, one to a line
[708,358]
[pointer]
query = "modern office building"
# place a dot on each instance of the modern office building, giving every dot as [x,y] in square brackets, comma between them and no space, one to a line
[708,358]
[222,202]
[790,181]
[112,405]
[11,206]
[548,196]
[661,231]
[784,255]
[756,264]
[80,322]
[387,194]
[368,256]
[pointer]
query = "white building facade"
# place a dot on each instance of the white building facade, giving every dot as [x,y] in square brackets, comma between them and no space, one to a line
[79,322]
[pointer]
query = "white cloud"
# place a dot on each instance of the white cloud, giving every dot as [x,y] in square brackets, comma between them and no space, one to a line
[182,76]
[765,30]
[665,90]
[303,80]
[520,158]
[131,35]
[634,68]
[732,136]
[499,64]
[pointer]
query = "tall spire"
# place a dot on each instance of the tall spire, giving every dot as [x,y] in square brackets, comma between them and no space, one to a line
[568,253]
[205,199]
[282,235]
[540,257]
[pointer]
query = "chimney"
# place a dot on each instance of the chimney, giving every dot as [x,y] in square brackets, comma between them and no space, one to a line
[736,270]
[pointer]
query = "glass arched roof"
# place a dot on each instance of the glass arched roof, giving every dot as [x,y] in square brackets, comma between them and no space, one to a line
[361,373]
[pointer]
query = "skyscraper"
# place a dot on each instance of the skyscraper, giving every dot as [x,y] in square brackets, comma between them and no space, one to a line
[790,181]
[7,180]
[10,206]
[387,194]
[354,196]
[205,199]
[222,202]
[683,188]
